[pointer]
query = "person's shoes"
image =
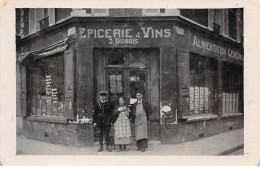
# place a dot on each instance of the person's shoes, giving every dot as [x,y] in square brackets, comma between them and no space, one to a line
[108,149]
[143,150]
[119,150]
[100,149]
[138,149]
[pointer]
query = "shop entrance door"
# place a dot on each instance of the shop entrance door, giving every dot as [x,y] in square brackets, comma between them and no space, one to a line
[123,72]
[126,82]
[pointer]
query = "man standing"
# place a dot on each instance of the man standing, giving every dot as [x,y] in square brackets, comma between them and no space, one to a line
[141,110]
[102,119]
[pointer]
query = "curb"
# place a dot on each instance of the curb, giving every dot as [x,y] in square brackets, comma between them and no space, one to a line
[231,150]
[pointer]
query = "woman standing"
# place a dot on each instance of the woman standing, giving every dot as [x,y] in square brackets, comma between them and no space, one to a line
[122,125]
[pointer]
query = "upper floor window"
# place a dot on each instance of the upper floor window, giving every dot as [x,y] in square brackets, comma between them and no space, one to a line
[232,23]
[62,13]
[44,23]
[198,15]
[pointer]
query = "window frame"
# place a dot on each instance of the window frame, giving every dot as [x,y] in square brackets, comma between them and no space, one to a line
[207,79]
[31,93]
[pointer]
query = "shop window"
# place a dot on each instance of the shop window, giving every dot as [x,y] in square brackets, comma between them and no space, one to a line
[198,15]
[203,84]
[232,100]
[46,86]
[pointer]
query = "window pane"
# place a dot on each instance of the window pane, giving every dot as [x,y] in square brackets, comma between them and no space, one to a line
[115,56]
[198,15]
[137,57]
[115,84]
[137,82]
[47,87]
[62,13]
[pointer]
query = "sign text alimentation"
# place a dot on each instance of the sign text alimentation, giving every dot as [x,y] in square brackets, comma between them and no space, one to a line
[205,45]
[124,36]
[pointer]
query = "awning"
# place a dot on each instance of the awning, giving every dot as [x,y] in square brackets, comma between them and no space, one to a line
[50,50]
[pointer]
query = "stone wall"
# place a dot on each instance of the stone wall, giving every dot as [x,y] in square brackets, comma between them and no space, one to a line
[57,133]
[189,131]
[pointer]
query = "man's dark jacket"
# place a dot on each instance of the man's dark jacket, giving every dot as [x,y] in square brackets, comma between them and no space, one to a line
[147,108]
[103,114]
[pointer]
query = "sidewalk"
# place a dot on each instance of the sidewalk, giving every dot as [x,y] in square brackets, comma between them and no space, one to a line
[221,144]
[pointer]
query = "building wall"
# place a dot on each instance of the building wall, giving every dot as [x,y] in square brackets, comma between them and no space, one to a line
[189,131]
[57,133]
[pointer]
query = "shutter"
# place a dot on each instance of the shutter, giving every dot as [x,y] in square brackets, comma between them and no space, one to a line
[210,18]
[32,20]
[69,84]
[239,25]
[39,17]
[25,29]
[183,76]
[51,12]
[225,22]
[23,96]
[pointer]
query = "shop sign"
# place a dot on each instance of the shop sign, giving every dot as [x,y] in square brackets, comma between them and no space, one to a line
[124,36]
[208,46]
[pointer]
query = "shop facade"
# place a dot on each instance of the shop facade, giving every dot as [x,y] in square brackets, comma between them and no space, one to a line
[193,79]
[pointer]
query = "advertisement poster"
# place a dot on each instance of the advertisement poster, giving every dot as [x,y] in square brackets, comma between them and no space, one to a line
[201,98]
[197,101]
[206,95]
[191,90]
[113,83]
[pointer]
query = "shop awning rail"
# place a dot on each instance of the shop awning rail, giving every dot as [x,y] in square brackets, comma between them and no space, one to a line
[58,47]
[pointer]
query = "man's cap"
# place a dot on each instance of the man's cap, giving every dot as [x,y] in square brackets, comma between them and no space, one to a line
[103,93]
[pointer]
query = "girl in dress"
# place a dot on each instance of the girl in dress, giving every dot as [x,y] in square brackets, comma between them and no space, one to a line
[122,125]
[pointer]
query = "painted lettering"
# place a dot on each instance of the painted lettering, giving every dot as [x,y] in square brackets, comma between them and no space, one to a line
[110,41]
[116,33]
[99,33]
[81,33]
[215,48]
[158,33]
[167,33]
[108,31]
[90,31]
[195,41]
[146,32]
[127,31]
[204,44]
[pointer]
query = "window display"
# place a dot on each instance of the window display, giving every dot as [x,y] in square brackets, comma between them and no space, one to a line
[203,84]
[232,101]
[46,86]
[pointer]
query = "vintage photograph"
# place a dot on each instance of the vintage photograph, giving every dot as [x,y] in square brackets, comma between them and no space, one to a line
[130,81]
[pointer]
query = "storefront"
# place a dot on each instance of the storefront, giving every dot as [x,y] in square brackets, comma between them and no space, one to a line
[192,79]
